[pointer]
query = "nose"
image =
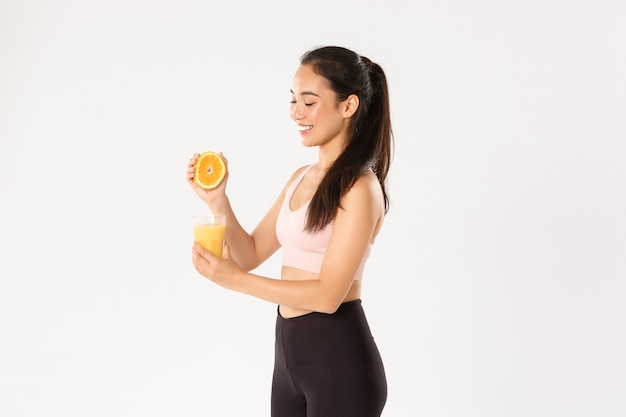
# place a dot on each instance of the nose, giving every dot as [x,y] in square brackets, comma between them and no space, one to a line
[296,112]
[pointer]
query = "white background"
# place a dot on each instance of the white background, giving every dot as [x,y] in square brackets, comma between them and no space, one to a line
[496,288]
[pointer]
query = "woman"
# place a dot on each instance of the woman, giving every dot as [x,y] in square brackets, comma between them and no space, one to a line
[326,219]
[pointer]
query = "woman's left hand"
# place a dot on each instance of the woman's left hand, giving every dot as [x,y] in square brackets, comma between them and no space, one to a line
[221,270]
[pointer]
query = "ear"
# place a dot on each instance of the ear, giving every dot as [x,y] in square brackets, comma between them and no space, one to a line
[350,105]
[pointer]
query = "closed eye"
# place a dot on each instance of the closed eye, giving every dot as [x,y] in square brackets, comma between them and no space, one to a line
[306,104]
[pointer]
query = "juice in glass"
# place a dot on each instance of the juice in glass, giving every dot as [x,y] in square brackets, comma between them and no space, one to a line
[210,232]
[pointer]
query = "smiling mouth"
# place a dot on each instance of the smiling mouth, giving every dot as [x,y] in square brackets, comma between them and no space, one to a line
[304,128]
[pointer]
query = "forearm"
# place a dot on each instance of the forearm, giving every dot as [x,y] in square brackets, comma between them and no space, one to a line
[241,244]
[304,294]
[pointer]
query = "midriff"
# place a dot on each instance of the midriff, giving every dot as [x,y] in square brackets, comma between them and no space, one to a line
[295,274]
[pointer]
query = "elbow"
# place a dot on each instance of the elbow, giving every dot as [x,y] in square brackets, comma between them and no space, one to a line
[248,267]
[329,305]
[328,296]
[327,310]
[245,266]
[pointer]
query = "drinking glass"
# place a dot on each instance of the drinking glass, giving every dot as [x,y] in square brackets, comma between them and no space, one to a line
[210,232]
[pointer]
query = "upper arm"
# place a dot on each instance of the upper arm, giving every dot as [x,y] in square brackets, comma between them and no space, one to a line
[355,227]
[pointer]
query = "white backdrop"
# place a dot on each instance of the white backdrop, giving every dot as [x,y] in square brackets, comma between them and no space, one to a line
[495,290]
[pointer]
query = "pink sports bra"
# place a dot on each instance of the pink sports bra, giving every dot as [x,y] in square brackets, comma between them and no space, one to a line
[301,249]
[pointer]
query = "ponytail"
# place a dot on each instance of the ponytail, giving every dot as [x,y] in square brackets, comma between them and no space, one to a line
[380,123]
[370,142]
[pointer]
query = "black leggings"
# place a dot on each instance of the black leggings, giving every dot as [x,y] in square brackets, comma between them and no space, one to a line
[327,365]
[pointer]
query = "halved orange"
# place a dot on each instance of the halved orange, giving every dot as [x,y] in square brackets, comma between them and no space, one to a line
[210,170]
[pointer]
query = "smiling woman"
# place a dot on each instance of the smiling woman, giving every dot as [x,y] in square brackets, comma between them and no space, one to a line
[325,219]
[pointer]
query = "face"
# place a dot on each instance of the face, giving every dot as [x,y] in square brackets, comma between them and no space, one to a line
[320,118]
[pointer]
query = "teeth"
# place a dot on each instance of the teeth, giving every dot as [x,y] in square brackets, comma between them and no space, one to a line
[301,128]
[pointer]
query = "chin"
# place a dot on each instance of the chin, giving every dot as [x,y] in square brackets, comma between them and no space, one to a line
[308,144]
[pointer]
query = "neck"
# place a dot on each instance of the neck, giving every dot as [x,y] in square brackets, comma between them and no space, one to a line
[328,153]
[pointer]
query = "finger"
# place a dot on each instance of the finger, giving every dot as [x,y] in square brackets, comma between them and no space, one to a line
[199,262]
[195,259]
[191,167]
[202,252]
[192,161]
[195,255]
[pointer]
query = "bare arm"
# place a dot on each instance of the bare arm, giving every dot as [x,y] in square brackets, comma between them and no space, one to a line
[248,250]
[355,227]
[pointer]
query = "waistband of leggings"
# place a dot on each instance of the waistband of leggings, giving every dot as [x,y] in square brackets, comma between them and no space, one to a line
[348,305]
[315,336]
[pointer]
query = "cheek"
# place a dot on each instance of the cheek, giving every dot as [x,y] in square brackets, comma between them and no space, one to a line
[316,113]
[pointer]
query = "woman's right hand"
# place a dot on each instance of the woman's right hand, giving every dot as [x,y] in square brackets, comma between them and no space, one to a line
[208,196]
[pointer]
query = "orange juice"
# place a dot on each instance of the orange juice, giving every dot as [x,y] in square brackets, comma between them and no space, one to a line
[210,236]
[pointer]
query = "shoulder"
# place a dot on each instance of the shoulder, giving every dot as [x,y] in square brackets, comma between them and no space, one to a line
[294,176]
[365,191]
[367,183]
[298,171]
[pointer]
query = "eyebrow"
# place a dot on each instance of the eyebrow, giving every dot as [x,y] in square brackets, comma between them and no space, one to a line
[305,93]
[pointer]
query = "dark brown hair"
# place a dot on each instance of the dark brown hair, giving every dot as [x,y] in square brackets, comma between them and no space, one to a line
[371,137]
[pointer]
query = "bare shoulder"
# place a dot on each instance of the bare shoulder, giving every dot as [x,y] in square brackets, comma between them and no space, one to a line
[298,172]
[294,176]
[367,184]
[365,191]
